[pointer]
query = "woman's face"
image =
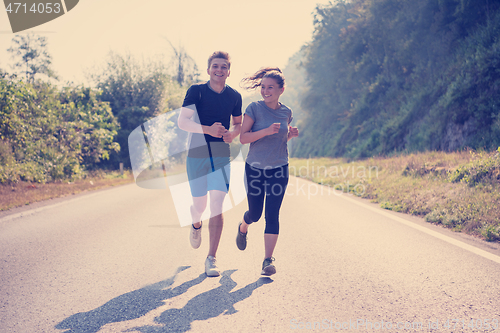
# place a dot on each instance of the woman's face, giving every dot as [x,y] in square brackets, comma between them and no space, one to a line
[270,90]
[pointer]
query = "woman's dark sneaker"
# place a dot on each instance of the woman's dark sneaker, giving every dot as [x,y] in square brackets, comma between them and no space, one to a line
[241,239]
[267,267]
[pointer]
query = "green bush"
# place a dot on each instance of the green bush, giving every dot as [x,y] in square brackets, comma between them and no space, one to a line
[491,233]
[484,169]
[48,134]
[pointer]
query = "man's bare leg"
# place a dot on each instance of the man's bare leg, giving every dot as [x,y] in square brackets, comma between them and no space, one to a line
[216,221]
[197,209]
[215,225]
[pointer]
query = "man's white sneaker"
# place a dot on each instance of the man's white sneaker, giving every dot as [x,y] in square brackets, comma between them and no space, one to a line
[211,267]
[195,237]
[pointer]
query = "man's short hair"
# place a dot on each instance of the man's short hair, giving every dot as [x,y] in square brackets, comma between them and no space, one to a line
[221,55]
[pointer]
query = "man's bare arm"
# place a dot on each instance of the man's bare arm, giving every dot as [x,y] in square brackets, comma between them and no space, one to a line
[186,123]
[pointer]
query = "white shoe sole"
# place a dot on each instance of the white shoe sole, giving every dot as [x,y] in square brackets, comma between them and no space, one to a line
[269,270]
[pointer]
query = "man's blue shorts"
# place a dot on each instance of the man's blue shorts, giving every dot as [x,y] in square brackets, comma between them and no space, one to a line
[208,173]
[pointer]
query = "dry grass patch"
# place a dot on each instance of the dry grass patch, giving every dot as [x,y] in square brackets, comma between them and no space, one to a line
[24,193]
[458,190]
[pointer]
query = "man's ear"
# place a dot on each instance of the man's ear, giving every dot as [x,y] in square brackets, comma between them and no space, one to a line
[228,72]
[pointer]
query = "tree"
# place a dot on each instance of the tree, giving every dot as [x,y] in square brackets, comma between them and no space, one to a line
[32,56]
[185,69]
[137,92]
[401,75]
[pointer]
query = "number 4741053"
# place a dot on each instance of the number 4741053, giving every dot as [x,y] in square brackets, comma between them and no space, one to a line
[40,8]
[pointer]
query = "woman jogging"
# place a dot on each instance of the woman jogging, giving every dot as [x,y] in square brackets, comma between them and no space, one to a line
[266,126]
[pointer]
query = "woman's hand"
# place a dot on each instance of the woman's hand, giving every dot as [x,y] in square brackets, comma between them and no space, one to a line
[228,136]
[273,129]
[293,132]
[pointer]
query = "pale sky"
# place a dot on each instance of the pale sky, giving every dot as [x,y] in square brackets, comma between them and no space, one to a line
[255,33]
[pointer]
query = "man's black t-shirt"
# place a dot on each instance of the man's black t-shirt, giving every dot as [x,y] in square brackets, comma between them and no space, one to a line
[211,107]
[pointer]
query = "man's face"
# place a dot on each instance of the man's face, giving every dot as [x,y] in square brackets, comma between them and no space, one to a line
[218,70]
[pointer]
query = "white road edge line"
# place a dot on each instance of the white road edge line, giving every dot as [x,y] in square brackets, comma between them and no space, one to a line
[470,248]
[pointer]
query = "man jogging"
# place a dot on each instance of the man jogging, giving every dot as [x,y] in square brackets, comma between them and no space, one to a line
[206,114]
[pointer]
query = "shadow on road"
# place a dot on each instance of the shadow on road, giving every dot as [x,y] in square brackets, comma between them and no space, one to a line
[137,303]
[128,306]
[207,305]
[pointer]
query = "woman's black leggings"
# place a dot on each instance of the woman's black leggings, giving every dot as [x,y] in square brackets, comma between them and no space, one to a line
[271,185]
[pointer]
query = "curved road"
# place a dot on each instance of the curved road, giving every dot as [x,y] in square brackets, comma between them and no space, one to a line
[117,260]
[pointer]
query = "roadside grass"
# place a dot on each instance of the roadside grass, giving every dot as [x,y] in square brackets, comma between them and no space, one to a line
[23,193]
[459,190]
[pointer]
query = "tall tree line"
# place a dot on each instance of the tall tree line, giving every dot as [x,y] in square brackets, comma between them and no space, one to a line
[402,75]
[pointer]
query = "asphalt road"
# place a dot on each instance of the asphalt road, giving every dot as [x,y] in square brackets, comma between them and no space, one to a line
[117,260]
